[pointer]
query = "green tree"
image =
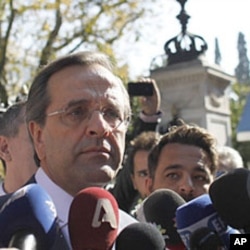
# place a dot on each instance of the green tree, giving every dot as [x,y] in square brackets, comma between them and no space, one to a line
[237,105]
[242,70]
[33,32]
[217,59]
[241,89]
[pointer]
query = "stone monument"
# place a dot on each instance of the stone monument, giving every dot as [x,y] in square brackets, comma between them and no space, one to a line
[191,88]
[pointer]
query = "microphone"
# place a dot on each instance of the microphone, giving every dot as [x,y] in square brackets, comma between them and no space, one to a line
[205,239]
[159,208]
[28,219]
[230,195]
[141,235]
[93,219]
[198,213]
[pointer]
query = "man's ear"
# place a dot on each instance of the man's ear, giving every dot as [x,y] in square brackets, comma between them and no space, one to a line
[36,134]
[4,149]
[149,185]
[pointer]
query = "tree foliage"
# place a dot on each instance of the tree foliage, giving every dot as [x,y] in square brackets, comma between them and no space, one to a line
[237,105]
[32,32]
[217,59]
[242,69]
[241,89]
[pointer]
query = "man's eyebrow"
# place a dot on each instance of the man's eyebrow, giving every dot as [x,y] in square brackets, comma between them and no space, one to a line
[76,102]
[176,167]
[173,167]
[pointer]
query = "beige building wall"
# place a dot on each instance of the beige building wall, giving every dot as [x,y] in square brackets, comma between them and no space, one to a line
[198,93]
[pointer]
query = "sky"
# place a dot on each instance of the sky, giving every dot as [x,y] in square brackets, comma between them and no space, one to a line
[222,19]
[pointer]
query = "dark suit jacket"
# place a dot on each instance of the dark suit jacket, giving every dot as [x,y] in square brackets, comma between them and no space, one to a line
[60,242]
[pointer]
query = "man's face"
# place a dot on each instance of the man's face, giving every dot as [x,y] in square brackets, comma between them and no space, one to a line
[140,171]
[183,169]
[89,153]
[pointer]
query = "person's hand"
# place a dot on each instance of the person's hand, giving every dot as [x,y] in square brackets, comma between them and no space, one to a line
[150,105]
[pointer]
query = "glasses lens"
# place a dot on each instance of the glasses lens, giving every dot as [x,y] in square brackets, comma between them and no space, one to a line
[112,117]
[73,116]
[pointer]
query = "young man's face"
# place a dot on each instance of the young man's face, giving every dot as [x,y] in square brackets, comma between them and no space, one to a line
[183,169]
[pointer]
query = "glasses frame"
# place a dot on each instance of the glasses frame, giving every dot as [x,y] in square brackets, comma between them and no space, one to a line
[64,110]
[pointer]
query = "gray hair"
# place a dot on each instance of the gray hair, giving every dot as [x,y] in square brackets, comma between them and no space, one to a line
[229,158]
[12,119]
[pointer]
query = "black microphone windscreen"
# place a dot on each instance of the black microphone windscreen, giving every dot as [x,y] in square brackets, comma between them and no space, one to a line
[159,209]
[205,238]
[140,236]
[230,195]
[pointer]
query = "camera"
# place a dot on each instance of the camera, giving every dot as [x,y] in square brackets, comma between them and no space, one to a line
[140,89]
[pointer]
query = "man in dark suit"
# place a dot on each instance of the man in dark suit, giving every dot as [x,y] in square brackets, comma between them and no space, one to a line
[78,113]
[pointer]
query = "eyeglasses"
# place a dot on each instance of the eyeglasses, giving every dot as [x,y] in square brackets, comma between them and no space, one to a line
[73,116]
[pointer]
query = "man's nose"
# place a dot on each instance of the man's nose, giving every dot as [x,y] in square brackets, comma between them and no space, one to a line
[97,125]
[186,186]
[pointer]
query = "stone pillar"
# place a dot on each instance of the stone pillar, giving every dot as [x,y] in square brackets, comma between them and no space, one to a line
[197,93]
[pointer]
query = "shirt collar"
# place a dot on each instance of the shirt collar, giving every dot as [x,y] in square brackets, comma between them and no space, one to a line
[2,191]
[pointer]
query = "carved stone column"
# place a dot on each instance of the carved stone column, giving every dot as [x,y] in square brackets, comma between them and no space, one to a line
[197,93]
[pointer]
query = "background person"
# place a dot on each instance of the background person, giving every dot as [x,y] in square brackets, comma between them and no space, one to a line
[129,188]
[228,159]
[16,149]
[185,160]
[150,115]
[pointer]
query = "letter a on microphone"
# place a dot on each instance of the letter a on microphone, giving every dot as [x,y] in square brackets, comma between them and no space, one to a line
[108,215]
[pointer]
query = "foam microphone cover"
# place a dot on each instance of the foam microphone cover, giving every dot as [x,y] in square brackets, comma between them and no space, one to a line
[205,239]
[159,209]
[198,213]
[230,195]
[93,219]
[140,236]
[29,209]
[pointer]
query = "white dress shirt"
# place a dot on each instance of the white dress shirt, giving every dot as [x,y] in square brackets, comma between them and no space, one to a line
[63,200]
[2,191]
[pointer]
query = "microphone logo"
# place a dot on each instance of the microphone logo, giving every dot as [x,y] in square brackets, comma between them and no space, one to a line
[51,206]
[104,212]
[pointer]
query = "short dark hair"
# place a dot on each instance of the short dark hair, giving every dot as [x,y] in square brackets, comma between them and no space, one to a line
[11,120]
[39,99]
[144,141]
[192,135]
